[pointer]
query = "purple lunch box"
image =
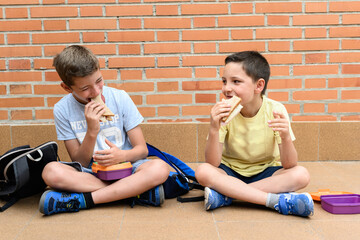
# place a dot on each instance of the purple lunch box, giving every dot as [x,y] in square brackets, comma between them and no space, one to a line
[114,174]
[341,204]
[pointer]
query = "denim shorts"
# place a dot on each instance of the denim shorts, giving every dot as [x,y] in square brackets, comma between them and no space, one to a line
[80,168]
[268,172]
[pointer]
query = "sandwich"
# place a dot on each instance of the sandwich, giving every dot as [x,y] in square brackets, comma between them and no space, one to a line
[108,114]
[235,108]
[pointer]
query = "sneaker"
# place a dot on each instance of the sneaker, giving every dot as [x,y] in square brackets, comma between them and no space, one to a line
[55,202]
[213,199]
[300,204]
[154,197]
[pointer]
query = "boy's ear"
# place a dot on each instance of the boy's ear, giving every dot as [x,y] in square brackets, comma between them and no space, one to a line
[260,84]
[66,87]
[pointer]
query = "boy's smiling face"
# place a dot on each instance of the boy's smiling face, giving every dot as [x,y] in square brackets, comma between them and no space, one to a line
[237,82]
[87,87]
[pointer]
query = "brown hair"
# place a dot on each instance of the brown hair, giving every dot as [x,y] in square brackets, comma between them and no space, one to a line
[75,61]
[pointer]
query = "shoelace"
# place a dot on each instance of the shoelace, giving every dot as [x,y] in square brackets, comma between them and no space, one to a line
[71,205]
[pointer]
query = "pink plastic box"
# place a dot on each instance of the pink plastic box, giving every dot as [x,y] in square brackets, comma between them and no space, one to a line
[113,172]
[341,204]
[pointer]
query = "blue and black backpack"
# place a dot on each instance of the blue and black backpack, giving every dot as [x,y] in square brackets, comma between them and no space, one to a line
[180,181]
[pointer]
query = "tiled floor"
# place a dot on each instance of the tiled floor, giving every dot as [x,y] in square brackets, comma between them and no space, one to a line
[189,220]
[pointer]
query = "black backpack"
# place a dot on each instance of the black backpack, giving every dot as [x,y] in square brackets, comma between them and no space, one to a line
[21,169]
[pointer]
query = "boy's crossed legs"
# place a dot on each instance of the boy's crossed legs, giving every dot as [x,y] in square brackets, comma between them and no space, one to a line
[271,191]
[88,190]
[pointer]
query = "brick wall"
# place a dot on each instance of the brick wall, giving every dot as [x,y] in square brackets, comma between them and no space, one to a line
[168,55]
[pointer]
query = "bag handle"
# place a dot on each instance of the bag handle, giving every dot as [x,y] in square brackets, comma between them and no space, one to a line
[36,159]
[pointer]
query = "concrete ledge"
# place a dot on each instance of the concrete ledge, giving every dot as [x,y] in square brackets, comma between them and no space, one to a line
[315,141]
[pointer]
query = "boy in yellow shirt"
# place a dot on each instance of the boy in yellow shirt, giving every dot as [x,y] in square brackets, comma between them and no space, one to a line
[252,158]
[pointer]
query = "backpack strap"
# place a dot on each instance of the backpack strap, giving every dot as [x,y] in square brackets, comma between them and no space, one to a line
[9,203]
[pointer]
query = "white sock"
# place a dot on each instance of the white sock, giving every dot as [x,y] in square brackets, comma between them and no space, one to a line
[271,200]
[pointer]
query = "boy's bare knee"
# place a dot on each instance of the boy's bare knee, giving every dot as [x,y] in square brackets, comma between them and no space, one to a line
[52,174]
[202,174]
[301,176]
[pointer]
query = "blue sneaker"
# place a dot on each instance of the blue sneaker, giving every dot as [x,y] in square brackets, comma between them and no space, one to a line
[55,202]
[154,197]
[213,199]
[300,204]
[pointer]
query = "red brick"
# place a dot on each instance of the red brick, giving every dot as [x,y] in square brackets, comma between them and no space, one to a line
[130,23]
[196,110]
[93,37]
[167,23]
[279,96]
[129,10]
[315,70]
[16,12]
[201,85]
[108,49]
[205,73]
[284,83]
[278,20]
[167,35]
[241,7]
[46,12]
[22,25]
[134,86]
[53,25]
[42,114]
[278,7]
[350,19]
[131,62]
[169,99]
[20,76]
[198,9]
[343,82]
[168,111]
[18,38]
[315,95]
[292,108]
[19,2]
[350,94]
[22,102]
[2,89]
[131,74]
[51,51]
[21,115]
[168,61]
[167,86]
[52,77]
[43,64]
[241,21]
[200,22]
[350,44]
[68,37]
[315,83]
[203,60]
[20,89]
[147,111]
[168,73]
[87,24]
[129,36]
[241,34]
[348,57]
[206,47]
[153,48]
[137,99]
[336,32]
[310,19]
[351,68]
[205,35]
[279,71]
[3,115]
[315,58]
[230,47]
[314,107]
[53,1]
[19,64]
[48,89]
[284,58]
[283,33]
[278,46]
[125,49]
[91,11]
[95,1]
[205,98]
[316,45]
[166,10]
[51,101]
[111,74]
[343,107]
[312,7]
[350,118]
[314,118]
[315,32]
[344,6]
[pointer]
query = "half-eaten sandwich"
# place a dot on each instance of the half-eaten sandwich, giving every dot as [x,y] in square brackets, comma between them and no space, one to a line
[108,114]
[235,108]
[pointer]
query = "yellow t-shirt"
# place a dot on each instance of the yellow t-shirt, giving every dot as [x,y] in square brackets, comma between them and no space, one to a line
[250,146]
